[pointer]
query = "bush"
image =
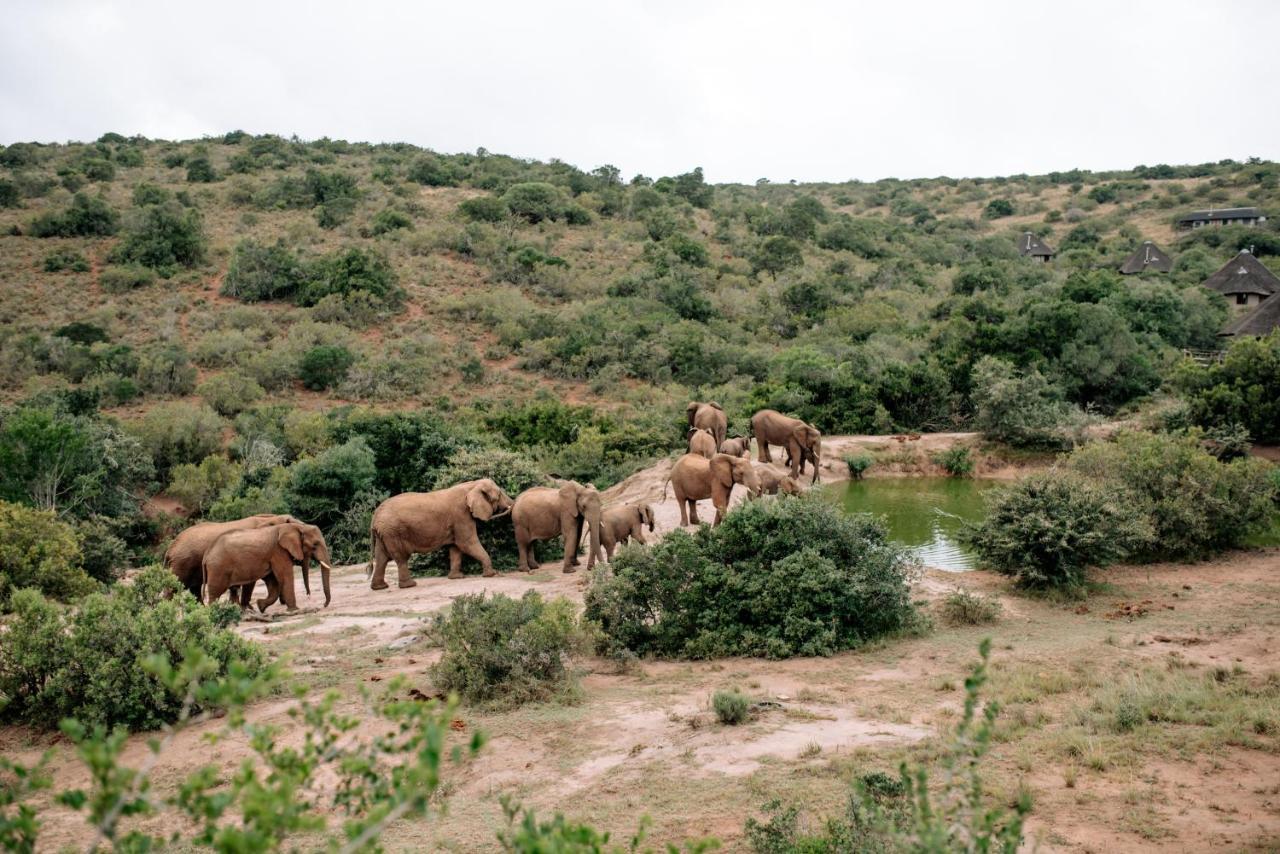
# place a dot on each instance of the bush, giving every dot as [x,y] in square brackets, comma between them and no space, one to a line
[88,663]
[997,208]
[731,707]
[504,651]
[957,462]
[534,201]
[325,366]
[1049,528]
[1196,505]
[197,486]
[350,272]
[163,237]
[10,195]
[62,260]
[776,254]
[165,369]
[230,393]
[962,608]
[1020,408]
[104,556]
[485,209]
[176,433]
[390,219]
[200,170]
[776,578]
[858,464]
[321,487]
[122,279]
[88,216]
[39,552]
[1244,388]
[258,272]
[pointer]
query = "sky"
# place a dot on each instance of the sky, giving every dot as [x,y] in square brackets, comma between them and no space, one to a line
[795,90]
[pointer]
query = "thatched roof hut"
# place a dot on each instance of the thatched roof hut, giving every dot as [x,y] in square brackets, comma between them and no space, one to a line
[1033,247]
[1262,320]
[1147,257]
[1244,280]
[1221,216]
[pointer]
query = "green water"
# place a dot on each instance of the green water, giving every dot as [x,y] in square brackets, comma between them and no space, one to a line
[923,513]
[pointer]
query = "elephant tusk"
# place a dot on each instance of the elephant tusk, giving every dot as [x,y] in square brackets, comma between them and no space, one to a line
[325,565]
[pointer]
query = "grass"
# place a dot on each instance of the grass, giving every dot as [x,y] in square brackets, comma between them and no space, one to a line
[962,608]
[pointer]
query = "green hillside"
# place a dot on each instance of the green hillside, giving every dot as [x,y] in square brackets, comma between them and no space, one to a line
[258,300]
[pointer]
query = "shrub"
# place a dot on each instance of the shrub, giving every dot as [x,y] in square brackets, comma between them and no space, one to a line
[321,487]
[997,208]
[962,608]
[82,333]
[176,433]
[87,663]
[163,237]
[858,464]
[485,209]
[104,556]
[325,366]
[88,216]
[230,392]
[258,272]
[534,201]
[504,651]
[1196,505]
[731,707]
[200,170]
[150,194]
[1244,388]
[1049,528]
[776,254]
[776,578]
[165,369]
[198,486]
[390,219]
[1020,408]
[62,260]
[39,552]
[957,462]
[118,279]
[10,195]
[349,272]
[432,171]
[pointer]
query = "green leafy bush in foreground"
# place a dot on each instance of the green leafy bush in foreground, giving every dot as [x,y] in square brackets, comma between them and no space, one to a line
[775,579]
[1049,528]
[39,552]
[506,651]
[87,662]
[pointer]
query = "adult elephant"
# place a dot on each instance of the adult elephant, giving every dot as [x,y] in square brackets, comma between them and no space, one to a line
[708,416]
[419,522]
[739,446]
[186,553]
[545,512]
[624,522]
[240,558]
[702,442]
[694,478]
[802,441]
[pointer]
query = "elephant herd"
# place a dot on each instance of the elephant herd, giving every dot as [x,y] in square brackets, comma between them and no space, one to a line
[213,558]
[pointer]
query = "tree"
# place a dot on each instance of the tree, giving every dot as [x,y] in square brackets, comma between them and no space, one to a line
[325,366]
[775,254]
[997,208]
[163,237]
[535,201]
[1243,389]
[88,216]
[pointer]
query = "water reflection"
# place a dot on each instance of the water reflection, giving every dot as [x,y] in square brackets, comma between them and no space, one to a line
[923,513]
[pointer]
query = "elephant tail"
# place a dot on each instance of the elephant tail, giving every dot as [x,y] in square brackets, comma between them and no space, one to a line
[374,544]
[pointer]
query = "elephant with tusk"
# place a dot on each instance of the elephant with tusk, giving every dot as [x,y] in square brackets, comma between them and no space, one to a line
[240,558]
[802,441]
[543,513]
[186,553]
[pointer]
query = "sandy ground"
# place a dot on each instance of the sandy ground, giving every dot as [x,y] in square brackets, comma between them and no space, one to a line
[643,741]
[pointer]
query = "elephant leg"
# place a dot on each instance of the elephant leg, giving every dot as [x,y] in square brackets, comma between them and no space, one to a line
[524,543]
[572,533]
[797,458]
[455,562]
[470,546]
[403,578]
[273,593]
[380,558]
[217,585]
[245,592]
[693,511]
[763,454]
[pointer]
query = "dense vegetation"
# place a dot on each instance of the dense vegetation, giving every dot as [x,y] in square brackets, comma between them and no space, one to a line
[777,578]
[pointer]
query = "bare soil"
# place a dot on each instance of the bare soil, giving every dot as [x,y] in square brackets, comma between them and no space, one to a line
[644,741]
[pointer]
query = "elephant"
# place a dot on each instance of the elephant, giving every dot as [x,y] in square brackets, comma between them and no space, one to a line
[544,512]
[419,522]
[186,553]
[802,441]
[240,558]
[709,417]
[621,523]
[694,477]
[771,483]
[702,442]
[736,447]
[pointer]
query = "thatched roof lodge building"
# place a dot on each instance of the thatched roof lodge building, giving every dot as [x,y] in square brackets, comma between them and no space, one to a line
[1147,257]
[1263,320]
[1245,281]
[1221,216]
[1030,246]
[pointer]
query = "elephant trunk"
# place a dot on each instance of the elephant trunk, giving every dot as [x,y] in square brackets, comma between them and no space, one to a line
[814,456]
[306,572]
[594,521]
[322,557]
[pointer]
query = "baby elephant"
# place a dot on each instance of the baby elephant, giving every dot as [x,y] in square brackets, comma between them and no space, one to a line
[621,523]
[736,447]
[771,483]
[702,443]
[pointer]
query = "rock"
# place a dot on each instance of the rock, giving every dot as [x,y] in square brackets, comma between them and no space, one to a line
[401,643]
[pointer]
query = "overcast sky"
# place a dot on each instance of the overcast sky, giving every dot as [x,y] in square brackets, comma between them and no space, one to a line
[779,90]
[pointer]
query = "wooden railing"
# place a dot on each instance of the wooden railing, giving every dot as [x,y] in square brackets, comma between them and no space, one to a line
[1205,357]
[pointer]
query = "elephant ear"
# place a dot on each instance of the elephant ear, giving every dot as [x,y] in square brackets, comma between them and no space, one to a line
[291,541]
[722,470]
[690,411]
[647,514]
[478,503]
